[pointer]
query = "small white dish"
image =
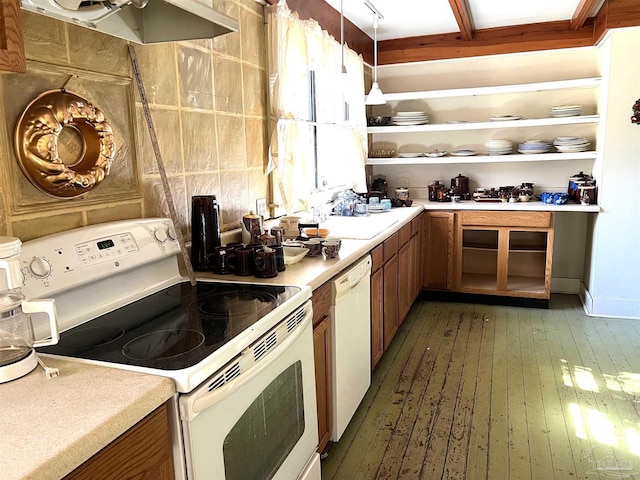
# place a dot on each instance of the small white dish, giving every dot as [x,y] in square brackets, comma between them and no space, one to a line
[436,153]
[464,153]
[505,118]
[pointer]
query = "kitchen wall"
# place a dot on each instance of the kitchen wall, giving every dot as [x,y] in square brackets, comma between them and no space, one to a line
[208,103]
[612,277]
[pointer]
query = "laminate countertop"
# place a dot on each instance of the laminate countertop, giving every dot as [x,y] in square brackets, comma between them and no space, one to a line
[49,426]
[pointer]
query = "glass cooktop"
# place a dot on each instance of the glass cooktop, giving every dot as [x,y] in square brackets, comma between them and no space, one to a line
[174,328]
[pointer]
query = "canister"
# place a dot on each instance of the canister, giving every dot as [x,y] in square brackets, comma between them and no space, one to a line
[251,228]
[402,193]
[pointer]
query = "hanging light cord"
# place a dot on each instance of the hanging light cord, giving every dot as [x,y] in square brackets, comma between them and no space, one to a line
[344,69]
[375,48]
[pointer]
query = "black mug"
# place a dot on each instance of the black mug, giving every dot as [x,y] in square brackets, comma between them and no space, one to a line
[280,265]
[221,261]
[205,230]
[245,260]
[265,263]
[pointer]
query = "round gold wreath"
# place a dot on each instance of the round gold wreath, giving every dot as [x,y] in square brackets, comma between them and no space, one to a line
[36,143]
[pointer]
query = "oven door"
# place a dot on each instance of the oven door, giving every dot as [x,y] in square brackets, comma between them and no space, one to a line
[256,418]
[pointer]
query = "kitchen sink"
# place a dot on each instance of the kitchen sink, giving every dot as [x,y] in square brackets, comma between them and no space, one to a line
[359,228]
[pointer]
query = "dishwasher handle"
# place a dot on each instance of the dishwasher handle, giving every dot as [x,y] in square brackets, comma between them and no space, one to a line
[346,282]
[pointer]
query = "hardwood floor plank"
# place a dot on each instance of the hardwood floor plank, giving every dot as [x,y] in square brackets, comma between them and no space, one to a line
[423,352]
[422,433]
[477,457]
[498,464]
[457,453]
[519,456]
[572,400]
[443,433]
[537,428]
[557,427]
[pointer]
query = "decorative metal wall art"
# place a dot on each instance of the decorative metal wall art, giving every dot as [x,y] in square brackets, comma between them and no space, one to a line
[37,144]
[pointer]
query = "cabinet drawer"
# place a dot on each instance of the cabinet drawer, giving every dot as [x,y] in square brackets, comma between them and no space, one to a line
[390,247]
[506,219]
[321,301]
[404,234]
[377,258]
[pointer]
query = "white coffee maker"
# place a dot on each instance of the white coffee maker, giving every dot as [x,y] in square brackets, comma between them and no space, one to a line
[17,339]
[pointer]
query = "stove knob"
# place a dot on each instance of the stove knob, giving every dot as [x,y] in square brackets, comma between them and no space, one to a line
[172,233]
[160,234]
[40,268]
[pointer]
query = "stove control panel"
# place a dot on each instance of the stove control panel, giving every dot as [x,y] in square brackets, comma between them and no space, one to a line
[68,260]
[106,249]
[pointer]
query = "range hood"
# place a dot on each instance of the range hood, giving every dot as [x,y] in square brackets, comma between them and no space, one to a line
[139,21]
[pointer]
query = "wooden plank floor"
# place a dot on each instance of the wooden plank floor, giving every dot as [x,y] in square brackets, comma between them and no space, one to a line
[468,391]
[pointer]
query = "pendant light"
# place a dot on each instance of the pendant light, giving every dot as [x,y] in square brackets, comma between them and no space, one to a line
[375,97]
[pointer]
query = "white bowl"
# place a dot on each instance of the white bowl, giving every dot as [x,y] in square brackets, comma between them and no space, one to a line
[294,254]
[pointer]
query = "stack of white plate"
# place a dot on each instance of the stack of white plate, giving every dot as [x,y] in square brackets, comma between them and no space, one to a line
[565,111]
[535,146]
[571,144]
[498,147]
[410,118]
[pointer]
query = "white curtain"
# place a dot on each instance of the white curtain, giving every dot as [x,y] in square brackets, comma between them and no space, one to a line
[297,47]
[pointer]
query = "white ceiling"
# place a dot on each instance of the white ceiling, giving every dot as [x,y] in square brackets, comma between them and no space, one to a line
[410,18]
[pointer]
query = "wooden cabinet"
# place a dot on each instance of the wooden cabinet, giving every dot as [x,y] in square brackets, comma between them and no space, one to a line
[11,43]
[321,300]
[505,253]
[390,288]
[416,256]
[395,283]
[406,272]
[438,235]
[377,306]
[144,451]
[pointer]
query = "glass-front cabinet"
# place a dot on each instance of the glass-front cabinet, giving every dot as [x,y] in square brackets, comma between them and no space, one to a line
[498,255]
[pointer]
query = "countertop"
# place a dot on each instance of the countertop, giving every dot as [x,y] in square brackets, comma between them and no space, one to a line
[50,426]
[314,271]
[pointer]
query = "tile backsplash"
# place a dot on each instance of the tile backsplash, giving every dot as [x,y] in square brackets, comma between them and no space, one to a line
[208,105]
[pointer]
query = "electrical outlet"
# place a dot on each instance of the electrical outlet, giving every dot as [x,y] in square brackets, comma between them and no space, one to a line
[261,207]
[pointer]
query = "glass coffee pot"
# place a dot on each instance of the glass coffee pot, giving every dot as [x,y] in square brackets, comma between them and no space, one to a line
[17,337]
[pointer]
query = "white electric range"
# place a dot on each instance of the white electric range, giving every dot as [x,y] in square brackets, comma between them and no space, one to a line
[236,351]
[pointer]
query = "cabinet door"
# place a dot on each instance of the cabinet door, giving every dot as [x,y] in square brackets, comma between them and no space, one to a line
[390,280]
[416,266]
[377,316]
[11,43]
[405,288]
[143,451]
[438,247]
[322,360]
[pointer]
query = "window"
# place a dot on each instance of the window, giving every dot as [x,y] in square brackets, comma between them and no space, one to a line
[318,122]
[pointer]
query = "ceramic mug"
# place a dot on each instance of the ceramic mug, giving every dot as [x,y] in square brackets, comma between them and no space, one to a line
[245,260]
[330,249]
[265,263]
[314,245]
[221,261]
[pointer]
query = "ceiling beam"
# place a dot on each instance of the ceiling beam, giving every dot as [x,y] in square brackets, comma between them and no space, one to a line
[489,41]
[583,11]
[463,18]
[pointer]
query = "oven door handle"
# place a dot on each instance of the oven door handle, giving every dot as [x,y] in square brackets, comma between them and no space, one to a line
[202,398]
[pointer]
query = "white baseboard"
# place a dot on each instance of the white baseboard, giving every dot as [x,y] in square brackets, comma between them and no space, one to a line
[609,307]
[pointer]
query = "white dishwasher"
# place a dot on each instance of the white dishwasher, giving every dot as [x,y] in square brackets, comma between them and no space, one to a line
[350,343]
